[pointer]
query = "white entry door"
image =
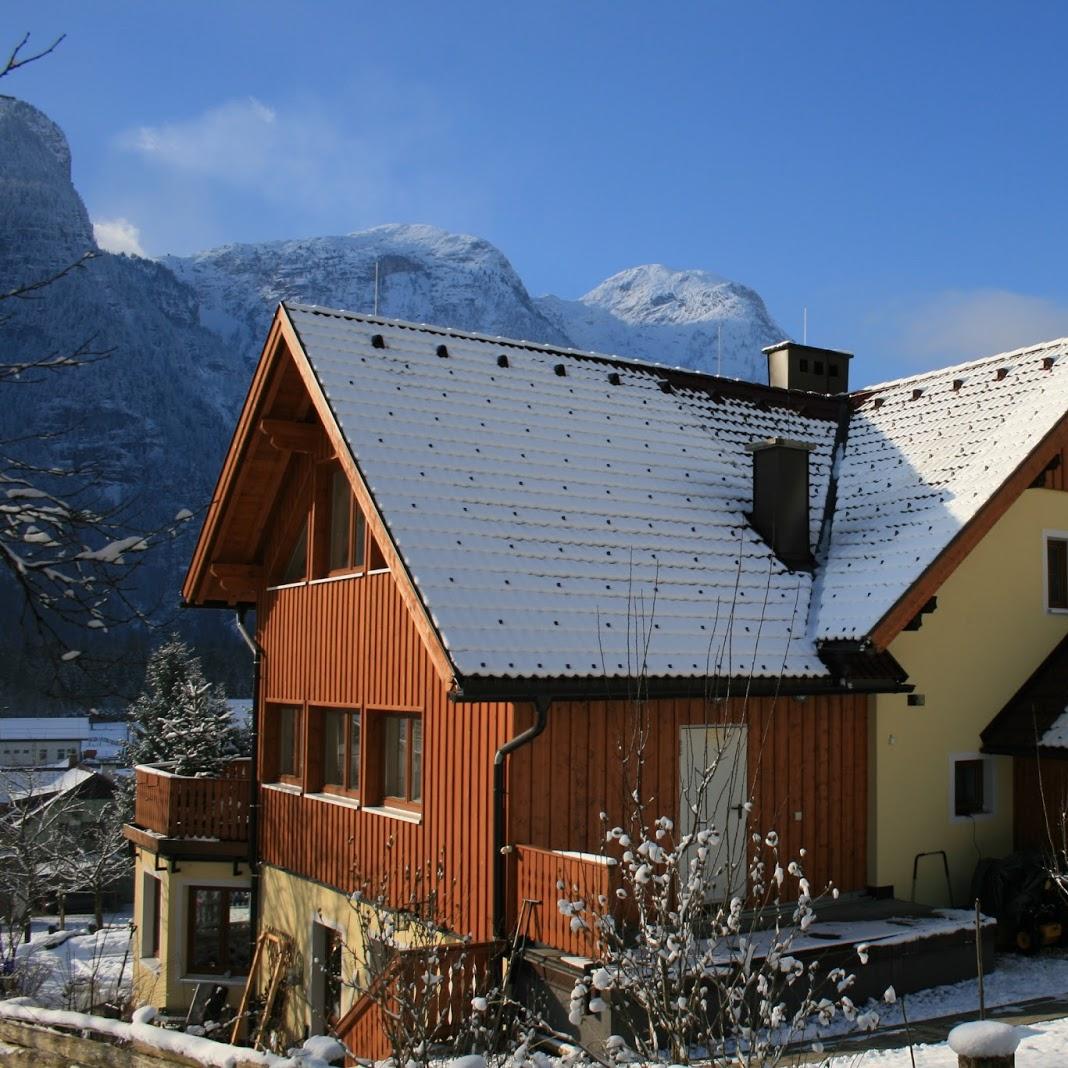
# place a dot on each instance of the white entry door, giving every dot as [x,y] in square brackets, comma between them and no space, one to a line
[713,790]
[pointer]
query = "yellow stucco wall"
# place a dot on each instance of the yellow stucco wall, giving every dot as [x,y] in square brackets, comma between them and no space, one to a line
[989,632]
[163,981]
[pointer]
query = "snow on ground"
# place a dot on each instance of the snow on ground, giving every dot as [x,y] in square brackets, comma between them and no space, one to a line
[82,970]
[1044,1044]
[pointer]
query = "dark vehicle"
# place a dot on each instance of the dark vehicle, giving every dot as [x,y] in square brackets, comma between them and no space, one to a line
[1019,890]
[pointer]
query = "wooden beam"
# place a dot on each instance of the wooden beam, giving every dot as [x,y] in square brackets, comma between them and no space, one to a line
[290,436]
[240,581]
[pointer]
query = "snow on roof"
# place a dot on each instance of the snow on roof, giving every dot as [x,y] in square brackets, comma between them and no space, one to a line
[42,728]
[550,515]
[17,784]
[1056,735]
[922,457]
[553,506]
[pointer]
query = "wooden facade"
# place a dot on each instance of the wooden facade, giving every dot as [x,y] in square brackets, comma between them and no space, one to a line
[363,642]
[1040,804]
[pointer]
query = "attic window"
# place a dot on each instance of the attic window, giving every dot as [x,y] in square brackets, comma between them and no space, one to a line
[346,532]
[296,569]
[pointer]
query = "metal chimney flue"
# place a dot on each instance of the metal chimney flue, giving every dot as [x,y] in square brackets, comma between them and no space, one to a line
[792,365]
[780,499]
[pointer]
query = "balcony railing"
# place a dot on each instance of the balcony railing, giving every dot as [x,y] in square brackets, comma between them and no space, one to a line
[181,806]
[543,878]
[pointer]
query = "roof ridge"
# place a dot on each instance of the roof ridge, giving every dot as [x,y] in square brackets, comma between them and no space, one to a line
[938,372]
[823,406]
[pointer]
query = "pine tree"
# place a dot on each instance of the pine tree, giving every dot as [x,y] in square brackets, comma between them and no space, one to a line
[181,717]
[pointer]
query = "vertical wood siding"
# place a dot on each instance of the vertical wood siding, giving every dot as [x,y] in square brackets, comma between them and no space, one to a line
[807,757]
[352,643]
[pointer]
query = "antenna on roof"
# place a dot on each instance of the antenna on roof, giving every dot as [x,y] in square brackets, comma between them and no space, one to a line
[376,288]
[804,325]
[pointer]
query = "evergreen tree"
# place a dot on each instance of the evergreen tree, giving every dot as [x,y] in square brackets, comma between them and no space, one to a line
[181,717]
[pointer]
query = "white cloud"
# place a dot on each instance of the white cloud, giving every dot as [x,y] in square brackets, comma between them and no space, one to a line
[233,141]
[960,325]
[118,235]
[296,156]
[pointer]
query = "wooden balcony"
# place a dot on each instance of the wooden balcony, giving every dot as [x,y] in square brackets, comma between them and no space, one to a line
[192,816]
[543,877]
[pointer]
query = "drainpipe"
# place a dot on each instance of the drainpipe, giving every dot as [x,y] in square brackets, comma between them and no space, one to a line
[254,787]
[500,848]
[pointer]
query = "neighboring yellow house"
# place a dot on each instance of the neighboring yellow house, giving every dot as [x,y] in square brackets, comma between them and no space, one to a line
[192,887]
[947,549]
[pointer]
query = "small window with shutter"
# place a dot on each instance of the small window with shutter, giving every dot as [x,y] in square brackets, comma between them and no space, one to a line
[1056,572]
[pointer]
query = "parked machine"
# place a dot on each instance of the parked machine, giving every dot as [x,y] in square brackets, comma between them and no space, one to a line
[1023,893]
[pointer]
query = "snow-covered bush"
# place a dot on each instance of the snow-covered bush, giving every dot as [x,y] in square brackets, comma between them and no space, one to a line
[182,718]
[694,972]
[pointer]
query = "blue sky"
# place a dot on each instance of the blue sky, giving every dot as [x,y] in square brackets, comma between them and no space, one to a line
[900,169]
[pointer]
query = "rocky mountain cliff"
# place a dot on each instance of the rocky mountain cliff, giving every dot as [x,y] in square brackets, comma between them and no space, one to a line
[183,333]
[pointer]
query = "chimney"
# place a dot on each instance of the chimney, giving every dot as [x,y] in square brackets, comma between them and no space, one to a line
[780,499]
[792,365]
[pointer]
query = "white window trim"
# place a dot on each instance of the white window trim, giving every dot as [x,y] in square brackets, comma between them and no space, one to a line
[1047,536]
[990,780]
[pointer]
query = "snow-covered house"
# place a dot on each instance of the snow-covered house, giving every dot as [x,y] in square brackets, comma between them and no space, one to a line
[468,556]
[34,741]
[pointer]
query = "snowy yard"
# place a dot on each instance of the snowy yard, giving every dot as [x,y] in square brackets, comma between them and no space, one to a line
[74,969]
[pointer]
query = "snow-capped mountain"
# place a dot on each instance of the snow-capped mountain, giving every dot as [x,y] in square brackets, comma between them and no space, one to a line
[182,334]
[686,318]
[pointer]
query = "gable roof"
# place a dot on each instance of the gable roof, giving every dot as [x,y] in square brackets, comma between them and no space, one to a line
[44,728]
[561,523]
[566,515]
[924,456]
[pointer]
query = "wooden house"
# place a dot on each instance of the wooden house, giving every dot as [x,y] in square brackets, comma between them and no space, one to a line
[482,568]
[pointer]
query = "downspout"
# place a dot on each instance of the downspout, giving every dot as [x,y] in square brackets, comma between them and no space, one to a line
[500,857]
[254,785]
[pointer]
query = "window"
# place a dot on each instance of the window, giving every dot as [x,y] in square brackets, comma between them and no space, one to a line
[42,755]
[341,750]
[296,568]
[290,741]
[402,759]
[1057,573]
[347,530]
[151,895]
[972,778]
[219,929]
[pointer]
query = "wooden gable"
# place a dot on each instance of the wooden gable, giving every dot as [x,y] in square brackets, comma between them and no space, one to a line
[285,427]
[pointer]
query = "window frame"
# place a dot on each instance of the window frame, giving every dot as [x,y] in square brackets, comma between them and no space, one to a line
[1049,536]
[353,726]
[225,944]
[407,802]
[989,786]
[330,476]
[296,733]
[151,915]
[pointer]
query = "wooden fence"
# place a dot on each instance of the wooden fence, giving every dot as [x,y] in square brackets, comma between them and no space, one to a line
[544,878]
[179,806]
[459,972]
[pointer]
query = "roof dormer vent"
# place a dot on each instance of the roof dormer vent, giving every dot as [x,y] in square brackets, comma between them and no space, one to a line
[795,366]
[780,499]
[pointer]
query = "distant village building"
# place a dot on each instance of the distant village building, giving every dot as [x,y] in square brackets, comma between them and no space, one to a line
[37,740]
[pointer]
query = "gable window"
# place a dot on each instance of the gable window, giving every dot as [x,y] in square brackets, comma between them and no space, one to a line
[1056,572]
[402,759]
[219,927]
[290,724]
[347,531]
[972,781]
[341,751]
[296,569]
